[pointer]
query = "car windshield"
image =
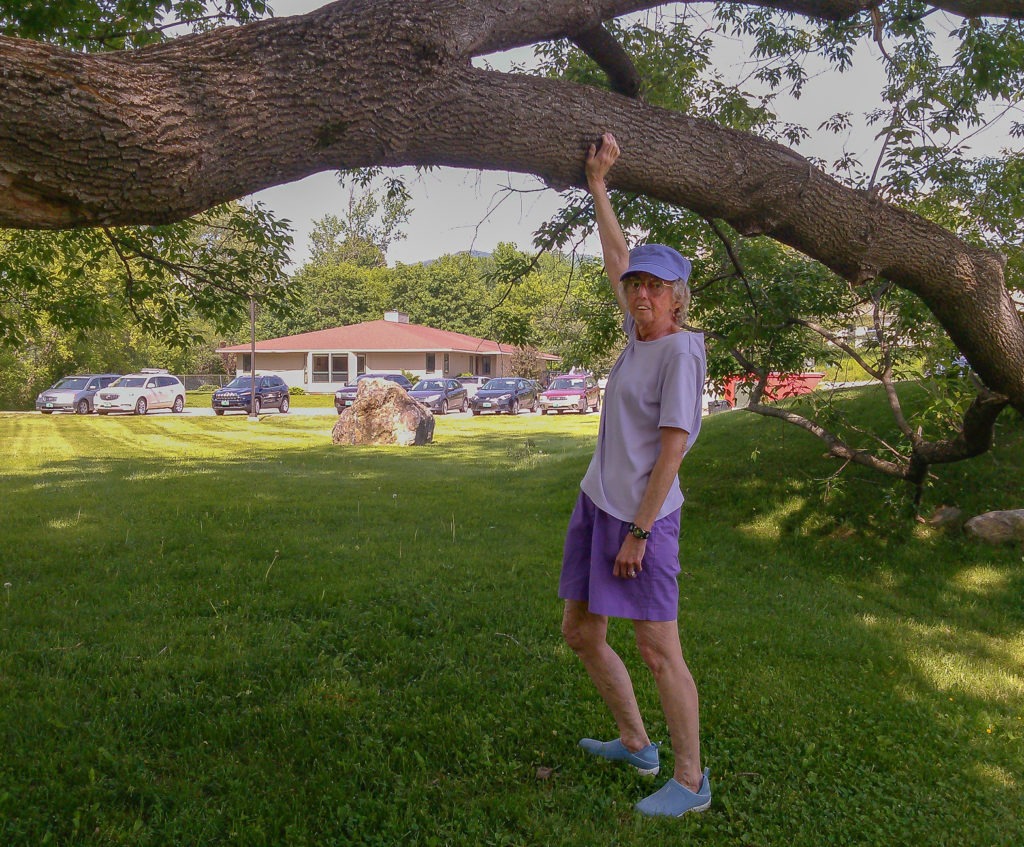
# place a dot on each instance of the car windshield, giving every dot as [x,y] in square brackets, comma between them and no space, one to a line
[240,382]
[430,385]
[564,384]
[129,382]
[73,383]
[500,385]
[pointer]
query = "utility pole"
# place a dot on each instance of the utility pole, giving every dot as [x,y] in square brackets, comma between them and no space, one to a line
[252,357]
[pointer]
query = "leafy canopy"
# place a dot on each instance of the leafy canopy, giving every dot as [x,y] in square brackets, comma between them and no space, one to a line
[167,275]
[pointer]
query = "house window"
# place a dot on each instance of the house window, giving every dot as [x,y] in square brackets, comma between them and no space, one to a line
[431,363]
[339,367]
[247,362]
[321,369]
[485,369]
[447,364]
[360,365]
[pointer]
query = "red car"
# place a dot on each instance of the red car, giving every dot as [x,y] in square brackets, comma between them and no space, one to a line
[571,393]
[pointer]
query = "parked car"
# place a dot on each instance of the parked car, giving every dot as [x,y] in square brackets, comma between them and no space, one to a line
[473,383]
[73,393]
[440,395]
[571,393]
[271,392]
[505,394]
[956,368]
[345,396]
[150,388]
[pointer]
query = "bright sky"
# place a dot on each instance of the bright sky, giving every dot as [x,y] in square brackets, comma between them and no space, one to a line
[456,210]
[453,210]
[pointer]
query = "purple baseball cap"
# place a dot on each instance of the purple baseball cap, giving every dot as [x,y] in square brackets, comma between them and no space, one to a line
[658,260]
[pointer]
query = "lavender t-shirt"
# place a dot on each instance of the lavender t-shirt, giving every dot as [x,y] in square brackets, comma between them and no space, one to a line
[653,384]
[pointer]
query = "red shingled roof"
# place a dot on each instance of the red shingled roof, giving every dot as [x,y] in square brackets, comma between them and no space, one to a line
[378,336]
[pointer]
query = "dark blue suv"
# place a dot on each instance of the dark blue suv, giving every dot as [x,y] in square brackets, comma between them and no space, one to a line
[271,392]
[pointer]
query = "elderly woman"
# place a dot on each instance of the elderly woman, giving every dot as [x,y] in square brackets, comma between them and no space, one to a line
[622,546]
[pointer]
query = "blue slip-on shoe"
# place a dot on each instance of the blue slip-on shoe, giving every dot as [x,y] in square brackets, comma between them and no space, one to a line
[645,761]
[674,800]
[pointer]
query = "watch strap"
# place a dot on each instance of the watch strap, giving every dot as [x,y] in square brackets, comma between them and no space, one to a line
[637,532]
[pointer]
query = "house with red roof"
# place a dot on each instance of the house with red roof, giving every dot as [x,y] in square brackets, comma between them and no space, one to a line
[321,362]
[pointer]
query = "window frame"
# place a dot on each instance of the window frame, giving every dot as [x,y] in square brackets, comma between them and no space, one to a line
[322,375]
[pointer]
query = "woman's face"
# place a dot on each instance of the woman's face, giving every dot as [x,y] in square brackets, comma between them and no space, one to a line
[652,303]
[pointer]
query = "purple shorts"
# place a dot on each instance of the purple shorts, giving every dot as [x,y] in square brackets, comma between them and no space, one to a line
[591,544]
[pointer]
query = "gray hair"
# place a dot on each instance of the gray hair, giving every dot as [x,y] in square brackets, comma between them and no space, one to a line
[681,293]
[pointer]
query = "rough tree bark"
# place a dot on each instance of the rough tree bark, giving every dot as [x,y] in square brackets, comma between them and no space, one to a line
[158,134]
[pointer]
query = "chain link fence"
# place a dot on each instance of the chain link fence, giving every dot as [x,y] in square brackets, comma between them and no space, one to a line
[195,381]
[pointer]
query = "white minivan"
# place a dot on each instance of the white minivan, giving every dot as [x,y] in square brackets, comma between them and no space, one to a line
[150,388]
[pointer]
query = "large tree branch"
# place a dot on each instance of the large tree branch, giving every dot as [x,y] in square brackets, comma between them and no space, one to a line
[601,46]
[487,26]
[159,134]
[836,446]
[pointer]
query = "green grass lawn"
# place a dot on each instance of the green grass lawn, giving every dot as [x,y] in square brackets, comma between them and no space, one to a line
[223,632]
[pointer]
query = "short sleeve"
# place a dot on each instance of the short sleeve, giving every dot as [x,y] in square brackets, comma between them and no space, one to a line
[683,393]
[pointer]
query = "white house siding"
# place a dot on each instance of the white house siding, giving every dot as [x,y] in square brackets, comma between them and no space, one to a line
[291,367]
[296,367]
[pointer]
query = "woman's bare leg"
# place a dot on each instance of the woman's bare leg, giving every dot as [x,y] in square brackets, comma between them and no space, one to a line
[659,645]
[586,634]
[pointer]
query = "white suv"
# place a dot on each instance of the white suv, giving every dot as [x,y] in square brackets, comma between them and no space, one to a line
[150,388]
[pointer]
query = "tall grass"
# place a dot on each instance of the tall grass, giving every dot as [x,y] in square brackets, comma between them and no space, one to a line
[222,632]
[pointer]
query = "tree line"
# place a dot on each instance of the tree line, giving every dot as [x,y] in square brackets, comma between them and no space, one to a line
[549,301]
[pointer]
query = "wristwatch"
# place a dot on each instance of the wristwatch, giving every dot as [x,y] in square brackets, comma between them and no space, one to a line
[637,532]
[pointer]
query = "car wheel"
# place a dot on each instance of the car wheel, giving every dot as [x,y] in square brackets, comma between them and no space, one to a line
[443,408]
[142,406]
[513,408]
[82,408]
[465,405]
[543,411]
[98,413]
[583,407]
[476,411]
[218,412]
[285,405]
[179,405]
[597,404]
[46,411]
[257,406]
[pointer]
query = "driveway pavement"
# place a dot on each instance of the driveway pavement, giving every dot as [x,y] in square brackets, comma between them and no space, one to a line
[207,411]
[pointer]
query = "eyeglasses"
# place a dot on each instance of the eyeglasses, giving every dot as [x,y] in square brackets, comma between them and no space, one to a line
[655,287]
